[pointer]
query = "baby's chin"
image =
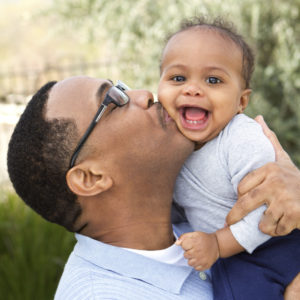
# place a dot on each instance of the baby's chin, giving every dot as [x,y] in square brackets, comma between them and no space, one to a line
[198,143]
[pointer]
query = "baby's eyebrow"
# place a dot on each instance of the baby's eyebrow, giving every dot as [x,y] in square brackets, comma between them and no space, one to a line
[176,66]
[215,68]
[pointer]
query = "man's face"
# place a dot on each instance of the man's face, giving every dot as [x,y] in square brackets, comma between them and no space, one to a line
[135,138]
[201,85]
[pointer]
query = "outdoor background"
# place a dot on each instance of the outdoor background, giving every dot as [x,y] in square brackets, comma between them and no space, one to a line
[119,39]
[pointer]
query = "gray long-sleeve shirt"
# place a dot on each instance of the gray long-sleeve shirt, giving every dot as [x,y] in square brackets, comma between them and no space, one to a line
[207,185]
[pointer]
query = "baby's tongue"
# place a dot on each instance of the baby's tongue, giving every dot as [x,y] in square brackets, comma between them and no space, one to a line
[194,113]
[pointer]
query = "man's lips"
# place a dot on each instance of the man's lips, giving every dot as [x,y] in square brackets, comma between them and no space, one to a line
[162,114]
[167,117]
[194,118]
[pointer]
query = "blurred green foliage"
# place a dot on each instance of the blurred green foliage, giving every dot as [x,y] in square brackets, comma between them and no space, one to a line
[33,252]
[133,33]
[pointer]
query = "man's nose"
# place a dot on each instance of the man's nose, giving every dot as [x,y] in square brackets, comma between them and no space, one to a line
[142,98]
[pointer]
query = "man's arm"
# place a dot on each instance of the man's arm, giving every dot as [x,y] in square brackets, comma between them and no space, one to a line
[292,292]
[277,185]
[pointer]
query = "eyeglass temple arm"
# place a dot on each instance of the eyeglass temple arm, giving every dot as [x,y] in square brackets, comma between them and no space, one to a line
[87,133]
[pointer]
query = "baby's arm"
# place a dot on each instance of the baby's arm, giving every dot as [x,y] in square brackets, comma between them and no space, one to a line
[245,149]
[203,249]
[278,185]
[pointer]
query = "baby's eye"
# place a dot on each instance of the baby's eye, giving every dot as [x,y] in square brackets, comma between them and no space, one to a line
[213,80]
[178,78]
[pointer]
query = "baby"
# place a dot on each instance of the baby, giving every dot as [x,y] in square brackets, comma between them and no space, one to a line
[205,87]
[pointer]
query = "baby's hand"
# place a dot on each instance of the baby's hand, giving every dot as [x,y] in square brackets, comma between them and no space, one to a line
[201,249]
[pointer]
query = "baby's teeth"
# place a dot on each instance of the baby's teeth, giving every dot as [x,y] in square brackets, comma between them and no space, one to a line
[193,122]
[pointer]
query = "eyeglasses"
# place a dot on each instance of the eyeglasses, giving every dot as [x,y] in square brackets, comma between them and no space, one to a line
[116,95]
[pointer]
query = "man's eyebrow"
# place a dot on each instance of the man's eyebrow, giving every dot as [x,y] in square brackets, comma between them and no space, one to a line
[100,92]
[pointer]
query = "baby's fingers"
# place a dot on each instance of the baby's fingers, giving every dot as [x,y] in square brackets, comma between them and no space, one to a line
[186,241]
[197,265]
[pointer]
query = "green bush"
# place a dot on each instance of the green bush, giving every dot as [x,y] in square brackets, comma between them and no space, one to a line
[32,251]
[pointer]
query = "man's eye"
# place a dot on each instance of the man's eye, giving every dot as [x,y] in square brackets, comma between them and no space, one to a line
[178,78]
[213,80]
[113,107]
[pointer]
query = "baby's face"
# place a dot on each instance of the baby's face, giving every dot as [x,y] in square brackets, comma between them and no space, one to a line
[201,85]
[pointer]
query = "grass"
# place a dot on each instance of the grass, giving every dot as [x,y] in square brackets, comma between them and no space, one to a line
[33,251]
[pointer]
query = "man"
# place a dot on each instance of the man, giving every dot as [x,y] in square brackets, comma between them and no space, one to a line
[111,180]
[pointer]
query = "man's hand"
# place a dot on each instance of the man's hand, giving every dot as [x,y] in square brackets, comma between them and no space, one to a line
[201,249]
[292,292]
[277,185]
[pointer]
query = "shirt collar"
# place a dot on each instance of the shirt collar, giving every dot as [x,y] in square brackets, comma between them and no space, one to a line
[165,276]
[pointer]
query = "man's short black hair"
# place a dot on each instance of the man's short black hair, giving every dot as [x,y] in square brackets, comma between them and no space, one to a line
[38,157]
[227,30]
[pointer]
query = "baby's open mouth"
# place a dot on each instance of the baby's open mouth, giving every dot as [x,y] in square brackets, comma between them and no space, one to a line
[194,118]
[194,115]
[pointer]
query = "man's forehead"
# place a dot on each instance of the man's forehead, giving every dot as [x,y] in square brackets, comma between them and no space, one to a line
[79,84]
[70,93]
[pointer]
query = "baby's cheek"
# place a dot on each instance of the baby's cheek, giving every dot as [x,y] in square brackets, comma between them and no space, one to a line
[164,97]
[169,107]
[160,93]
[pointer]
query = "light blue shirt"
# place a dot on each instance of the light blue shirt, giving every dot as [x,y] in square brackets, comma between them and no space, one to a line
[97,270]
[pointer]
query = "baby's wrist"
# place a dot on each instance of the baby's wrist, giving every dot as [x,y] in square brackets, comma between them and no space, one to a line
[217,247]
[227,243]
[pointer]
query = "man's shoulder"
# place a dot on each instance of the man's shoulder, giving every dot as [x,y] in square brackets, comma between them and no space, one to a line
[82,280]
[79,279]
[99,271]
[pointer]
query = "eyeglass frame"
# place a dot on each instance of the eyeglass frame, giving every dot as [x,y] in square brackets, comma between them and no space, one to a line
[120,88]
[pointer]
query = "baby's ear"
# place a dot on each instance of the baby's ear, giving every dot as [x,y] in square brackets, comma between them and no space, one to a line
[244,100]
[87,180]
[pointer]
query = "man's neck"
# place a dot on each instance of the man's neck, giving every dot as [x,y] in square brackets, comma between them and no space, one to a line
[137,218]
[143,235]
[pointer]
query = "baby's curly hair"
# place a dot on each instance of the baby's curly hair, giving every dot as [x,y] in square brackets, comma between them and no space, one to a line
[227,30]
[38,158]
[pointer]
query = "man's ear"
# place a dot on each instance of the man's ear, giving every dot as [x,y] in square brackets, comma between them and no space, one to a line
[86,180]
[244,100]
